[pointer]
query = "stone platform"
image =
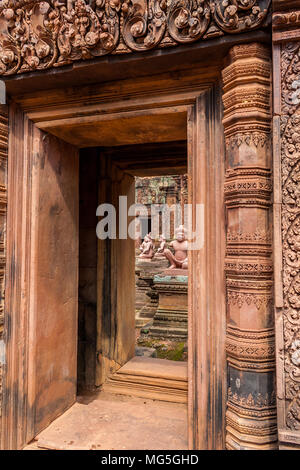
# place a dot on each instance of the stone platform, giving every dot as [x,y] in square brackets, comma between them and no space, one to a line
[146,297]
[171,318]
[153,378]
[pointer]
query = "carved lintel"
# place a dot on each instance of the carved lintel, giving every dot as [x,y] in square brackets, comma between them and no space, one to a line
[38,35]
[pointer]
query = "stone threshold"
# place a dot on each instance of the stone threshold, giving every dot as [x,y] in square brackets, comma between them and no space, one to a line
[152,378]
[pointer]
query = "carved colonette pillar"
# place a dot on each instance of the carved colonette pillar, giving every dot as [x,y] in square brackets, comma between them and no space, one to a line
[251,403]
[3,186]
[286,125]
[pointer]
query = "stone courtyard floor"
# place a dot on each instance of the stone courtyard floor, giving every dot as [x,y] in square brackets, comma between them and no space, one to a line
[114,422]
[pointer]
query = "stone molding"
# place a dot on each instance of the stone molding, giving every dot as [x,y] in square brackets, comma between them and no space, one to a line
[38,35]
[286,20]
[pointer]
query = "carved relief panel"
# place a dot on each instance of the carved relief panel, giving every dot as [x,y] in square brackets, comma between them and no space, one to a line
[37,35]
[286,135]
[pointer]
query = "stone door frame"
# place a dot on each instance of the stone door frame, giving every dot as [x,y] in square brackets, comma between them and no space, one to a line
[197,96]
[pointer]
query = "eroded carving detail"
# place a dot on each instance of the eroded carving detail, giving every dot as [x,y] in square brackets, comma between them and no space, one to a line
[257,402]
[241,298]
[255,138]
[259,236]
[37,35]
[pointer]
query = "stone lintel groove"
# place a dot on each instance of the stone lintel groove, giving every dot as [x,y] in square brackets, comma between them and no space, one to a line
[250,343]
[286,125]
[286,21]
[39,35]
[3,204]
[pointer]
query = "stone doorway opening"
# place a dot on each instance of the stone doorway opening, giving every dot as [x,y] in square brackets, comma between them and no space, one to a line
[43,322]
[161,304]
[112,375]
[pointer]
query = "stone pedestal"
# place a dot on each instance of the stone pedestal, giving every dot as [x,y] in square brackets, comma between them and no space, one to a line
[146,297]
[171,318]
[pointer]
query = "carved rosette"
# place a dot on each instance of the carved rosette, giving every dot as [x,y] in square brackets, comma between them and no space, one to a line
[250,345]
[37,35]
[3,203]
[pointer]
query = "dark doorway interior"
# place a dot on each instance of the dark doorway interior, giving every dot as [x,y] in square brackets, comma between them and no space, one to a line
[135,160]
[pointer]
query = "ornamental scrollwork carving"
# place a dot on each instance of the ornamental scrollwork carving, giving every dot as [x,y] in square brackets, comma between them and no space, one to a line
[37,35]
[233,16]
[290,164]
[189,20]
[144,23]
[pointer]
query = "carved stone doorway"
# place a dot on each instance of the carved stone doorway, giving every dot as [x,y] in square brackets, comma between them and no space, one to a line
[106,267]
[43,181]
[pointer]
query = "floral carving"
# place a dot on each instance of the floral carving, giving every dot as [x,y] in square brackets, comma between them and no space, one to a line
[259,236]
[255,138]
[144,23]
[290,165]
[227,14]
[241,298]
[189,20]
[257,402]
[36,35]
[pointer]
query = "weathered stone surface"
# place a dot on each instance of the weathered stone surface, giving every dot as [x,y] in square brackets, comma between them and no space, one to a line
[3,204]
[171,318]
[145,352]
[146,296]
[110,422]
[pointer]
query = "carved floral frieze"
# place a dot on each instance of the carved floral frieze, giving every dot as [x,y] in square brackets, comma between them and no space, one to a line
[290,167]
[257,402]
[241,298]
[37,35]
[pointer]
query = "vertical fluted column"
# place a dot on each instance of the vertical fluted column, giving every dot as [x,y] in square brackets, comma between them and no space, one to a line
[251,404]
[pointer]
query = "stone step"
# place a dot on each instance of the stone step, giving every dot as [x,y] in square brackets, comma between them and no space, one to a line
[157,379]
[171,318]
[169,331]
